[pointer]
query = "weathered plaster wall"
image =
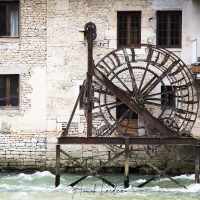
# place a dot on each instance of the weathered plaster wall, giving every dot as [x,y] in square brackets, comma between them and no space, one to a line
[23,130]
[191,29]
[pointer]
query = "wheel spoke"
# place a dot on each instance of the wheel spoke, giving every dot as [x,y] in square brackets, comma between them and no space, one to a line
[134,85]
[120,81]
[149,56]
[143,77]
[155,99]
[112,104]
[153,103]
[159,93]
[159,79]
[148,84]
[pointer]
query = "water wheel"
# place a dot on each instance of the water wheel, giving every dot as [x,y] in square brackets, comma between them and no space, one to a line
[156,81]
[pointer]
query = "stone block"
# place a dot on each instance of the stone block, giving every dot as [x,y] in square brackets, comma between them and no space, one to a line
[9,156]
[111,34]
[112,44]
[51,125]
[51,147]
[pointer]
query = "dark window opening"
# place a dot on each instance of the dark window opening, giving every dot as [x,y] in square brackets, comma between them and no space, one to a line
[169,28]
[9,90]
[121,109]
[169,99]
[9,18]
[129,28]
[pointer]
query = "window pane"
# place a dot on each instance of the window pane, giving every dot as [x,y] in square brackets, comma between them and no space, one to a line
[14,90]
[2,20]
[2,90]
[9,90]
[175,27]
[162,29]
[122,30]
[135,29]
[14,15]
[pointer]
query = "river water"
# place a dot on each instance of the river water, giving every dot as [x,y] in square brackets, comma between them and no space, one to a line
[40,186]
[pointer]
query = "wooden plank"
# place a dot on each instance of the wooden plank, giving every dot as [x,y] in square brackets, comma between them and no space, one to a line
[57,180]
[132,128]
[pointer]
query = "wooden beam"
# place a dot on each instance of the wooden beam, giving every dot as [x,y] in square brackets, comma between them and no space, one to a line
[132,140]
[57,180]
[197,165]
[126,167]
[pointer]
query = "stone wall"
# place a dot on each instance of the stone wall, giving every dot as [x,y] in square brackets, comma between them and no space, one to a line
[23,150]
[23,129]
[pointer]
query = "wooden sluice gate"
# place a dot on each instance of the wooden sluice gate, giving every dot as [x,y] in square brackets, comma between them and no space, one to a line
[130,78]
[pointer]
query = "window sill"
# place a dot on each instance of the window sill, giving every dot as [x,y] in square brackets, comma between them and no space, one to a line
[9,36]
[7,39]
[174,49]
[9,111]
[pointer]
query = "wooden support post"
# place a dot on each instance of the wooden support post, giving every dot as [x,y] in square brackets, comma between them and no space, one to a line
[197,165]
[90,31]
[126,167]
[57,181]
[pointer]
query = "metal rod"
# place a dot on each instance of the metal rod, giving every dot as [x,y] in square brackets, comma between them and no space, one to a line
[57,181]
[90,171]
[126,167]
[197,164]
[175,181]
[74,109]
[148,181]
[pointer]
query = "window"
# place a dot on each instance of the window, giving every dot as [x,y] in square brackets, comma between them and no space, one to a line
[9,90]
[169,99]
[169,28]
[9,18]
[129,28]
[121,109]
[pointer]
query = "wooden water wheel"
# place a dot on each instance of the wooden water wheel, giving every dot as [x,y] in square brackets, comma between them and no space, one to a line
[155,81]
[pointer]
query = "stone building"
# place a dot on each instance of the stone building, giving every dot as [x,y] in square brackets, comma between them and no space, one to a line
[43,62]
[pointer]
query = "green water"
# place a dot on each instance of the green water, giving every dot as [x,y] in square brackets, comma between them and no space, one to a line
[40,186]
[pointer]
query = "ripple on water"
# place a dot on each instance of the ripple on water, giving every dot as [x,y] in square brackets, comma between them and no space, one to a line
[40,186]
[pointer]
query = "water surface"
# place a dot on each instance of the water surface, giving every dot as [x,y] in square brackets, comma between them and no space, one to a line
[40,186]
